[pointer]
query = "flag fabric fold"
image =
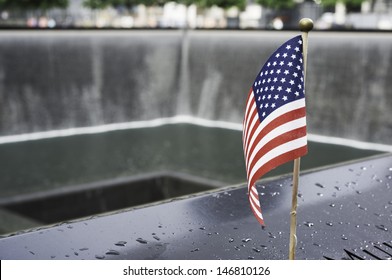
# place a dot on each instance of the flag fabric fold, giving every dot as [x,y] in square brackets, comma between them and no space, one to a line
[274,127]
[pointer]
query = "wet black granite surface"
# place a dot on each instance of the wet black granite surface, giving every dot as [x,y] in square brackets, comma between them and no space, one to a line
[344,212]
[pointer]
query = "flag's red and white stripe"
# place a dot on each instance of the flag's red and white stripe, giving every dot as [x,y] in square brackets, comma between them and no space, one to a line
[279,138]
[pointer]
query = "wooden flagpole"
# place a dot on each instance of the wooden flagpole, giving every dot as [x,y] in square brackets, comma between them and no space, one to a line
[305,25]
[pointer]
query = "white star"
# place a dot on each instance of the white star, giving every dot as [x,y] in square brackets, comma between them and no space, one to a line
[275,80]
[273,105]
[295,74]
[284,98]
[274,64]
[272,72]
[266,105]
[263,114]
[278,71]
[281,63]
[258,99]
[269,96]
[261,74]
[279,88]
[285,55]
[263,81]
[283,80]
[299,86]
[290,64]
[261,106]
[298,67]
[288,90]
[277,55]
[286,72]
[288,47]
[293,56]
[269,80]
[268,64]
[296,93]
[276,96]
[296,49]
[300,42]
[291,82]
[263,97]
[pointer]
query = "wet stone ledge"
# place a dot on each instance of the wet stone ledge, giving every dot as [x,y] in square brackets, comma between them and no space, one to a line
[344,212]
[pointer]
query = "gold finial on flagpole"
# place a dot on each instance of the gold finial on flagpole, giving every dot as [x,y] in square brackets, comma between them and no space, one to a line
[305,25]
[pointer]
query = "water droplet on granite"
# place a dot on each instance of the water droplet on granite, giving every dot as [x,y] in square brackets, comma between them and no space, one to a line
[344,237]
[329,224]
[332,205]
[231,240]
[99,257]
[246,240]
[121,243]
[195,250]
[112,252]
[319,194]
[319,185]
[256,250]
[141,240]
[156,238]
[202,228]
[382,227]
[309,224]
[270,235]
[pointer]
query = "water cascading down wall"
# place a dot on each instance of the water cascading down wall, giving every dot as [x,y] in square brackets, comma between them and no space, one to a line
[60,80]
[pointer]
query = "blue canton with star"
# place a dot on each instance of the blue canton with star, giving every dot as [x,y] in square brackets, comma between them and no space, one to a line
[281,80]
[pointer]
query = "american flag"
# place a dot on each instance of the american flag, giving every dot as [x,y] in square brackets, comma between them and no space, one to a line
[274,128]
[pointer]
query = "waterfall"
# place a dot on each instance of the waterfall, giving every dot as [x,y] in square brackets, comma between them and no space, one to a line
[67,79]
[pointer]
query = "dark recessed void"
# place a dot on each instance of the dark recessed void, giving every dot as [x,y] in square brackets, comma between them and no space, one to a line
[344,212]
[97,198]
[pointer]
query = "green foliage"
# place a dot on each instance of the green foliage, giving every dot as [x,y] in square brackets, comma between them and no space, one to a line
[328,3]
[97,4]
[209,3]
[34,4]
[131,3]
[277,4]
[226,3]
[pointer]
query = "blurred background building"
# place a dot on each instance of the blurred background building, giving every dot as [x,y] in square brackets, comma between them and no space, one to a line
[232,14]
